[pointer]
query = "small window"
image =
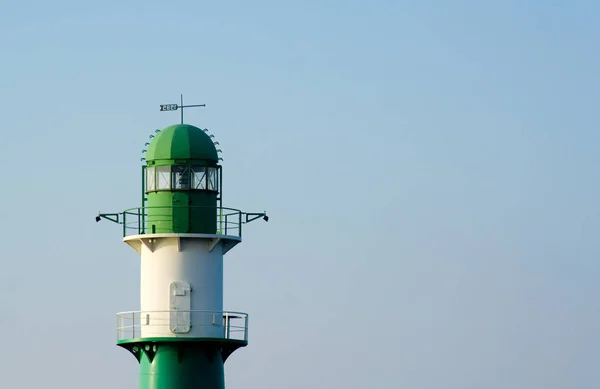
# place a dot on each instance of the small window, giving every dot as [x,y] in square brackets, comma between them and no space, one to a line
[198,177]
[181,177]
[213,182]
[163,177]
[150,179]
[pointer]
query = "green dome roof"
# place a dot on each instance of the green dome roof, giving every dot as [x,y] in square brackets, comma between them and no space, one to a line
[182,141]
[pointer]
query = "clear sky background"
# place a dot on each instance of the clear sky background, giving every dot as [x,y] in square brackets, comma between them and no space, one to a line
[431,170]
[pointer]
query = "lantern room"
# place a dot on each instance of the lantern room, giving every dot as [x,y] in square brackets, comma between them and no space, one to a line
[182,181]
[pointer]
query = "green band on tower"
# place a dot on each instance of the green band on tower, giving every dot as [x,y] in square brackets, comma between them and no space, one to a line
[176,363]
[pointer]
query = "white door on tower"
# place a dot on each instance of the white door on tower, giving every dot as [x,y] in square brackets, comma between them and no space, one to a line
[179,307]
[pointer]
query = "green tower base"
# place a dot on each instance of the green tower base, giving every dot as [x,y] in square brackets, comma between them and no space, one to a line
[176,363]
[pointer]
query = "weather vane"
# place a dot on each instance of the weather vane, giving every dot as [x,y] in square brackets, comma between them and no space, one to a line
[175,107]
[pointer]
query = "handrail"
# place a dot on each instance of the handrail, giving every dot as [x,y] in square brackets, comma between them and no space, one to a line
[195,324]
[144,220]
[139,221]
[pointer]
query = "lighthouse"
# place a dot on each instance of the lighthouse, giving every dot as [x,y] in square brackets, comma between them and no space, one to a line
[181,335]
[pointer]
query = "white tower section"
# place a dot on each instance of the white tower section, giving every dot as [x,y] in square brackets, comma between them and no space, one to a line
[181,286]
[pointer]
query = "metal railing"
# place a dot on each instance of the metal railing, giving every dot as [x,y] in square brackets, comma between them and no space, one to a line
[182,219]
[182,324]
[159,219]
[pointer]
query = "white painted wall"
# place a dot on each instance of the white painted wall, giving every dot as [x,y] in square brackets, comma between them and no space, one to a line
[188,260]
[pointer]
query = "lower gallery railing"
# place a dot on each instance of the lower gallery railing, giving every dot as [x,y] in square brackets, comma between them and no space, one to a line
[182,324]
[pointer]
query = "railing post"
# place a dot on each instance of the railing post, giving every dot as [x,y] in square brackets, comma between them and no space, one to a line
[125,224]
[246,329]
[221,220]
[133,324]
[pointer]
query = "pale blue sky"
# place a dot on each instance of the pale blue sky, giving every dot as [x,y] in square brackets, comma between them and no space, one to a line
[431,170]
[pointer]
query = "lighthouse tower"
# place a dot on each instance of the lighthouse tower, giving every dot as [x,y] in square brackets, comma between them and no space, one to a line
[181,335]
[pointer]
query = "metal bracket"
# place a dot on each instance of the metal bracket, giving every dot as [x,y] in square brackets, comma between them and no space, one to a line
[213,243]
[113,217]
[251,216]
[149,243]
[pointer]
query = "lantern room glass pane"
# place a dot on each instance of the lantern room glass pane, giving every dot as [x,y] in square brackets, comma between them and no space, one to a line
[213,182]
[163,177]
[198,177]
[150,179]
[181,177]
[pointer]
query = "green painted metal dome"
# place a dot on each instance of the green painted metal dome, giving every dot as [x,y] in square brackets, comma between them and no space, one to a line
[182,141]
